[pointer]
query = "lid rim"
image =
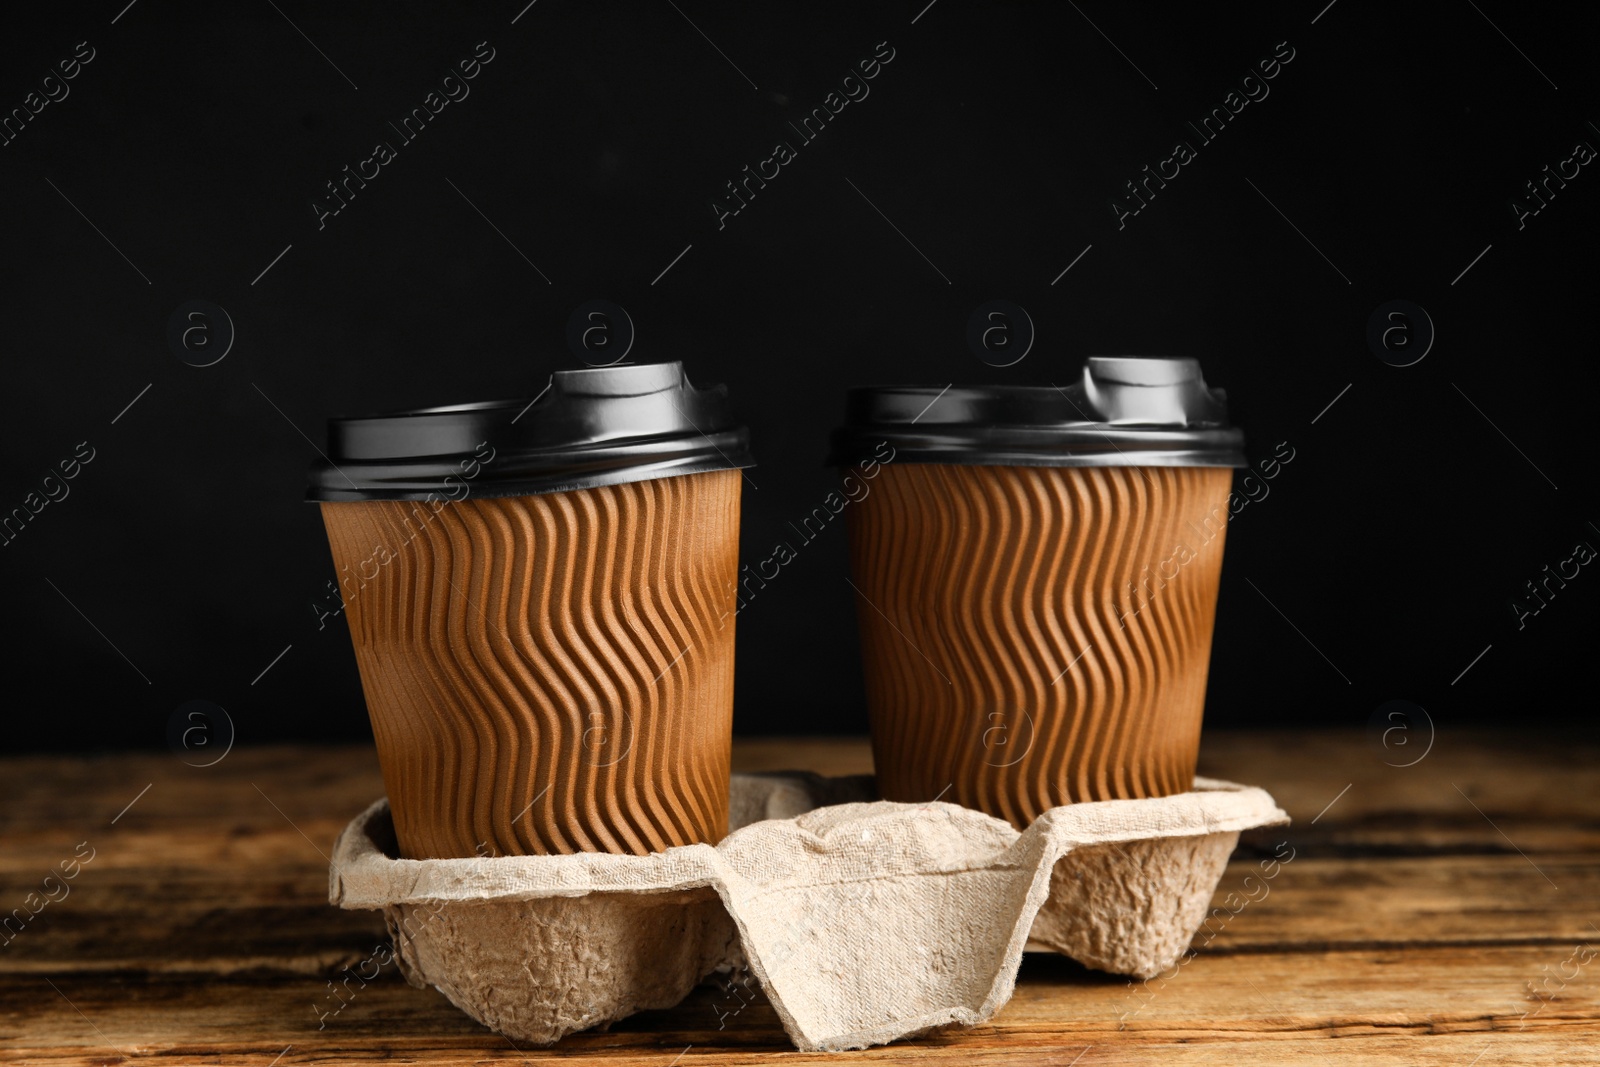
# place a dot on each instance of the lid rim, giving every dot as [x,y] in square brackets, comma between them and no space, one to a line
[1121,411]
[499,490]
[598,426]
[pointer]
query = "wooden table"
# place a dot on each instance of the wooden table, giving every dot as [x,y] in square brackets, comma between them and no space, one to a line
[1444,913]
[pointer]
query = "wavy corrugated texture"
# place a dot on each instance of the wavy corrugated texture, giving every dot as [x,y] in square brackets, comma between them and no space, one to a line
[1034,636]
[551,673]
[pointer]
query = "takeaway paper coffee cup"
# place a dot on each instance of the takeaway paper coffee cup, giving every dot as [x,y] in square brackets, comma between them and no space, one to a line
[1037,573]
[540,595]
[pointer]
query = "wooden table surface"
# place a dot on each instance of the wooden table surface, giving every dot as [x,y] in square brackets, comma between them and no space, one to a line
[1443,913]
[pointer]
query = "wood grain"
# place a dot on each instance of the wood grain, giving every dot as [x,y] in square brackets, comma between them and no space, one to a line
[1410,927]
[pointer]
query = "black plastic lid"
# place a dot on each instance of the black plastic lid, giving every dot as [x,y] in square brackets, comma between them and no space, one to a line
[1125,411]
[587,428]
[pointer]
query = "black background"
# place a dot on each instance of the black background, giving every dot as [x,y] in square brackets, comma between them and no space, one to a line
[183,561]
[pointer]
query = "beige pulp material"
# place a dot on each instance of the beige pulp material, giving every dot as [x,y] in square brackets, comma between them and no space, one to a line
[864,921]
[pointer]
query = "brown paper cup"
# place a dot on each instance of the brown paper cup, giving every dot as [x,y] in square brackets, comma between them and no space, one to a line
[548,673]
[1035,636]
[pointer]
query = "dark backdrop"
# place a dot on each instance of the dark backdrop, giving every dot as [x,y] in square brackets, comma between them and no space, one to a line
[182,162]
